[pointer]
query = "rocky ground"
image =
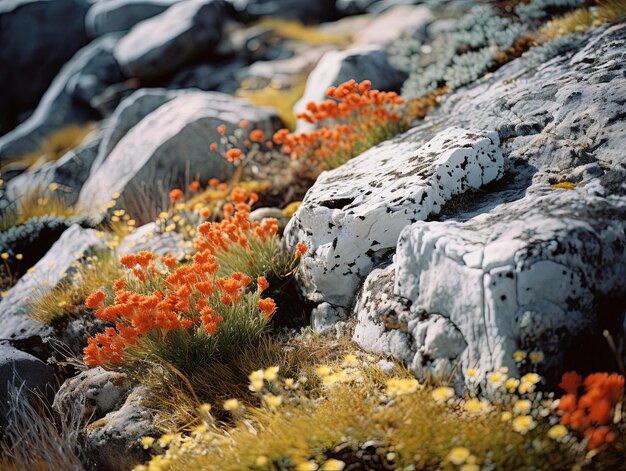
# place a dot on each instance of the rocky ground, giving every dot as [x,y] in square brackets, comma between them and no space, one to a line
[486,236]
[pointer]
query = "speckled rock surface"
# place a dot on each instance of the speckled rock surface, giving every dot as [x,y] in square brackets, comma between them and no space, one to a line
[356,212]
[15,325]
[167,146]
[524,265]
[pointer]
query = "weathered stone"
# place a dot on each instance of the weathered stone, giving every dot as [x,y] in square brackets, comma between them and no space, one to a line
[18,368]
[359,63]
[33,50]
[391,25]
[121,15]
[159,152]
[16,325]
[114,441]
[160,45]
[324,317]
[358,210]
[58,108]
[305,12]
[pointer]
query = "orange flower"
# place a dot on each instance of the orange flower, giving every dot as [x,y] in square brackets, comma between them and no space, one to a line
[194,186]
[257,135]
[262,284]
[169,260]
[176,194]
[301,249]
[567,403]
[213,146]
[570,382]
[205,213]
[233,154]
[221,129]
[267,307]
[213,182]
[94,300]
[243,123]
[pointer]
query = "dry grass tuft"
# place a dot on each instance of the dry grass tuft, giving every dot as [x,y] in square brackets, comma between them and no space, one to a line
[307,34]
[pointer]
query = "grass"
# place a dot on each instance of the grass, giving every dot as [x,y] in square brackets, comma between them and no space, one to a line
[68,298]
[281,98]
[299,32]
[55,145]
[350,411]
[583,19]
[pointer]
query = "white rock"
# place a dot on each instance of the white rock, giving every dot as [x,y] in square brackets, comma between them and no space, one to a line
[121,15]
[389,187]
[148,237]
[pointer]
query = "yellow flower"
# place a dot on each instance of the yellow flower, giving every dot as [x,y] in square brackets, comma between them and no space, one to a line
[506,416]
[231,404]
[400,386]
[166,439]
[469,467]
[273,401]
[511,384]
[474,406]
[4,256]
[536,357]
[349,360]
[306,466]
[256,380]
[532,378]
[442,394]
[333,465]
[471,373]
[261,461]
[111,204]
[335,377]
[271,373]
[19,256]
[522,407]
[323,371]
[556,432]
[205,408]
[519,356]
[523,424]
[147,442]
[496,378]
[116,195]
[289,383]
[200,429]
[162,215]
[458,455]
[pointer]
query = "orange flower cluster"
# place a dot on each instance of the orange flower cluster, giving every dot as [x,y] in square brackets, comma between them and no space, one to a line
[237,146]
[235,229]
[359,119]
[592,411]
[190,296]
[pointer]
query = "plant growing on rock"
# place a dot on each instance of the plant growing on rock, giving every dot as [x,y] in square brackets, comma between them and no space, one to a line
[186,314]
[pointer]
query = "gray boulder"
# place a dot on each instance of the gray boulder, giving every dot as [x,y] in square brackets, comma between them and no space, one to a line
[33,50]
[354,213]
[66,102]
[160,45]
[129,112]
[16,325]
[148,237]
[121,15]
[363,62]
[19,369]
[158,153]
[305,12]
[69,173]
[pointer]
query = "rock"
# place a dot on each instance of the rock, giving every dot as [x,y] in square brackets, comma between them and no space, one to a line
[18,368]
[221,76]
[393,24]
[304,12]
[121,15]
[354,213]
[83,75]
[359,63]
[69,173]
[160,45]
[113,442]
[148,237]
[16,325]
[34,50]
[324,317]
[130,111]
[524,265]
[114,416]
[158,153]
[96,390]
